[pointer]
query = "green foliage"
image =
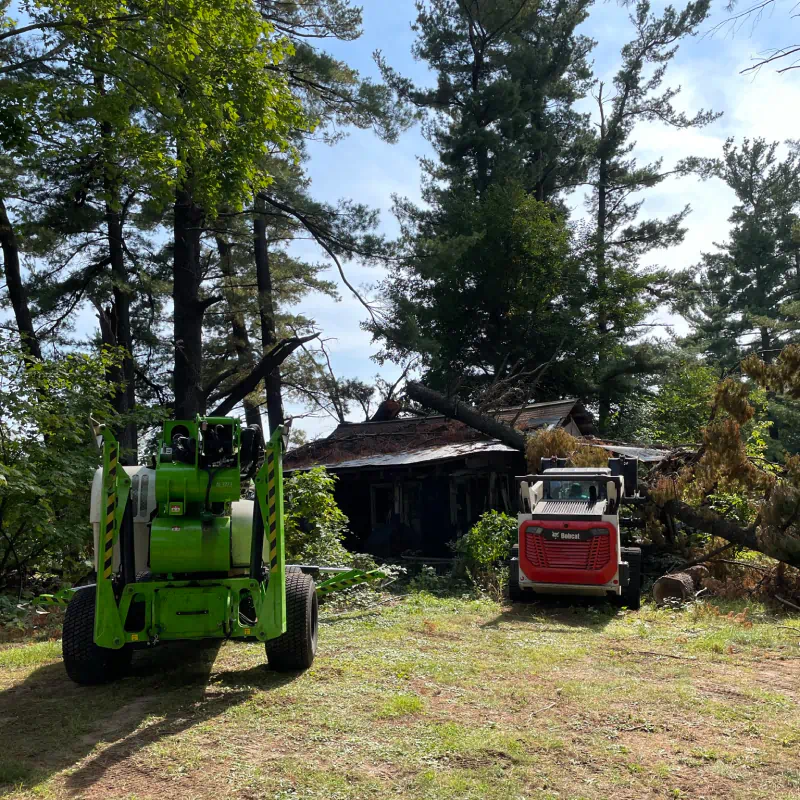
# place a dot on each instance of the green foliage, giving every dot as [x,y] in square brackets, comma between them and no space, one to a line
[488,541]
[313,524]
[11,615]
[483,291]
[681,406]
[189,89]
[47,459]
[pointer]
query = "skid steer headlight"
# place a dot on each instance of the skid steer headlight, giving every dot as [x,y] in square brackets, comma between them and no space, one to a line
[599,531]
[534,531]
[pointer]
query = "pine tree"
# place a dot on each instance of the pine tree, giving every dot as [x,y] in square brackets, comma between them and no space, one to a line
[482,291]
[509,73]
[742,298]
[621,291]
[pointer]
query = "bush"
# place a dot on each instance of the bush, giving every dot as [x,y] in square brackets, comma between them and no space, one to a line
[314,525]
[488,540]
[47,458]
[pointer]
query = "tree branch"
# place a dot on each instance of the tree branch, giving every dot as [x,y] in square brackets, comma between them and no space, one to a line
[272,359]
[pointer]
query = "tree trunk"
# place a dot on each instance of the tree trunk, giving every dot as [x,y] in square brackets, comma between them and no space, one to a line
[677,586]
[16,289]
[604,399]
[266,309]
[239,333]
[125,398]
[188,310]
[766,345]
[454,409]
[119,317]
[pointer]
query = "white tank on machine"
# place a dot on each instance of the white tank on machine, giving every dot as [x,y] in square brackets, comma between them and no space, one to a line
[143,498]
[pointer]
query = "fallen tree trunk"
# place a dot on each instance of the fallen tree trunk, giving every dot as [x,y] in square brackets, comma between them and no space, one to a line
[710,522]
[469,415]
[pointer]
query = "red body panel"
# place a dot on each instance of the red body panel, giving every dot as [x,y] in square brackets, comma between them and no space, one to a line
[587,563]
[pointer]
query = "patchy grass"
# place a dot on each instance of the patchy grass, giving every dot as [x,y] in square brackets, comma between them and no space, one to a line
[429,698]
[31,655]
[401,705]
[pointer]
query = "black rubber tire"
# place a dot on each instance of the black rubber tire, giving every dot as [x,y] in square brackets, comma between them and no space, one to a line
[295,649]
[515,593]
[86,663]
[631,596]
[293,569]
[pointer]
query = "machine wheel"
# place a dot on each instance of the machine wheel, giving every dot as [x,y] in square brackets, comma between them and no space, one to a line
[293,569]
[295,649]
[86,663]
[515,593]
[632,594]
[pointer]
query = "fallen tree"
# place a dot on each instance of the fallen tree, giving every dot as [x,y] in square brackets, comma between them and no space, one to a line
[270,361]
[469,415]
[683,484]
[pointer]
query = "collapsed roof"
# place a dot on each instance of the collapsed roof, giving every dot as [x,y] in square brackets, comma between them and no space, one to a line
[411,440]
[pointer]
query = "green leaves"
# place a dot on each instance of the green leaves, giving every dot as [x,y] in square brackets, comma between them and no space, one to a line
[314,525]
[47,455]
[489,540]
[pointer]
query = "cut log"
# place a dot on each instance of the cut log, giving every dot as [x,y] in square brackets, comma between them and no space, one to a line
[680,586]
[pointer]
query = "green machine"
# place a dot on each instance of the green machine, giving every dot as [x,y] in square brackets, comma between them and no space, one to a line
[214,568]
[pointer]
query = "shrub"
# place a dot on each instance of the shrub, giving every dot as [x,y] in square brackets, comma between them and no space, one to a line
[488,540]
[47,458]
[314,525]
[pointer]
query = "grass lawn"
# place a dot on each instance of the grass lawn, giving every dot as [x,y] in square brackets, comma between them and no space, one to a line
[428,698]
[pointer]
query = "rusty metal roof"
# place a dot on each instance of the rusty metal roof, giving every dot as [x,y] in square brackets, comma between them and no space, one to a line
[404,458]
[356,441]
[646,454]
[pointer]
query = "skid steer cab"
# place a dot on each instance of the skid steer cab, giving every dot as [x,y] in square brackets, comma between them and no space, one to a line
[179,555]
[569,536]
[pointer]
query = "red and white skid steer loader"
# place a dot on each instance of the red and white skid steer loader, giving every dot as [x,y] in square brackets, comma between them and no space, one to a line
[569,537]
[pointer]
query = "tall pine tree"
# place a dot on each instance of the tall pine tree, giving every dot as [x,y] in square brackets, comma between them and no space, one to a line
[620,290]
[742,298]
[482,291]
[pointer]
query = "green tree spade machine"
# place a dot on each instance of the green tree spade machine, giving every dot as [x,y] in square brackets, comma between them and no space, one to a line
[179,555]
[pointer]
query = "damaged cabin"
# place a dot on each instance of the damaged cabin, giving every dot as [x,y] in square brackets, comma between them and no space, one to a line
[413,484]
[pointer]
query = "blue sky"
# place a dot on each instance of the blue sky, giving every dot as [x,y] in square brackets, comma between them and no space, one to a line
[707,68]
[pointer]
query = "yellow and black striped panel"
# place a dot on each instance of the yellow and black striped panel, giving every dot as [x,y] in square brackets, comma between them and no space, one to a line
[272,511]
[342,583]
[111,508]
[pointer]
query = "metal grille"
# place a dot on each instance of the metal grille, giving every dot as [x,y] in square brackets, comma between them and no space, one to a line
[570,508]
[591,555]
[563,507]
